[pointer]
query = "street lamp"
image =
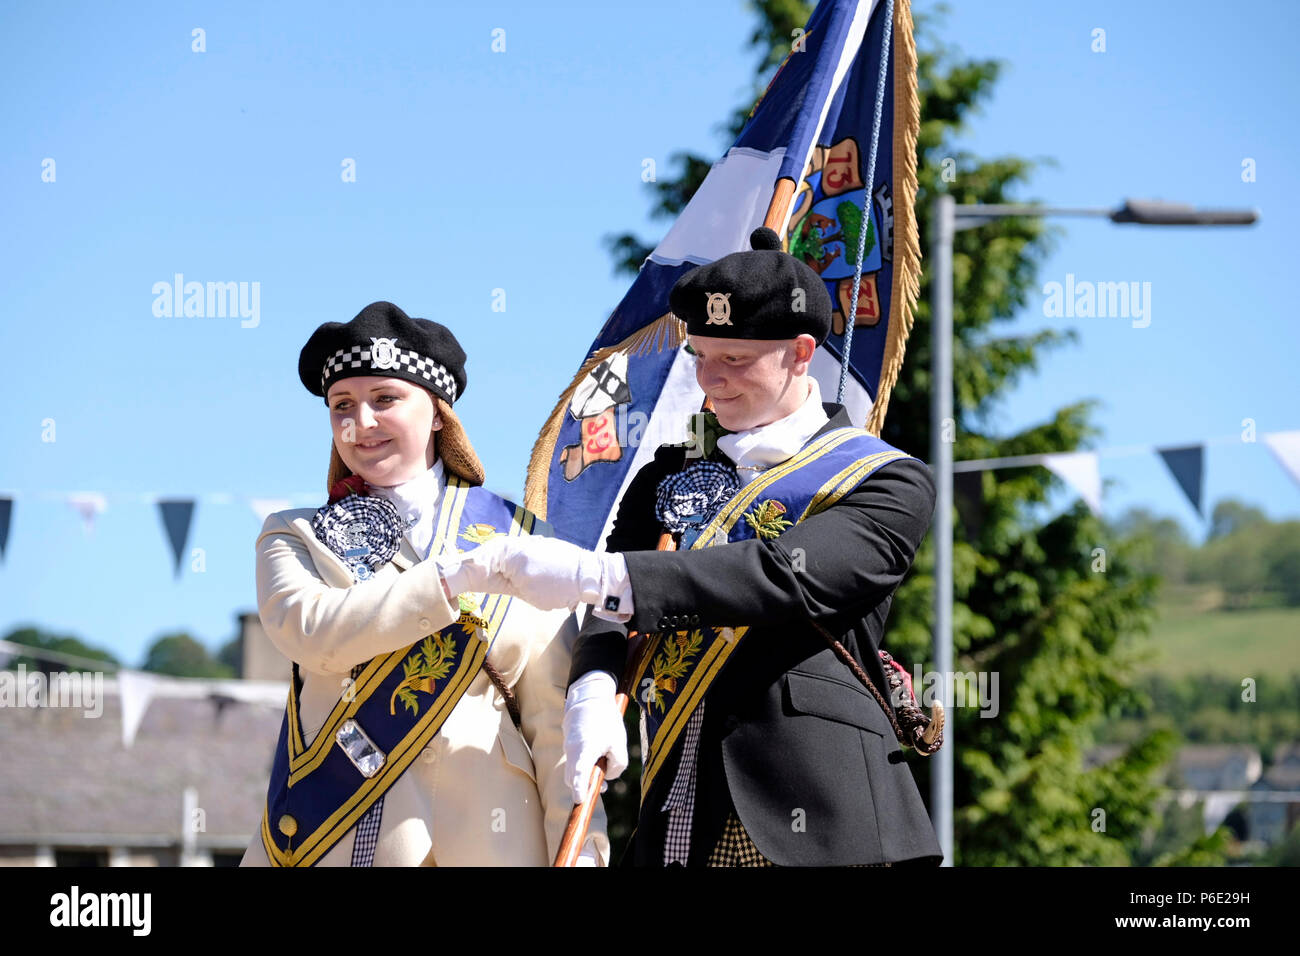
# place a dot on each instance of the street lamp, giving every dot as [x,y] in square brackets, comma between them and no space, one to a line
[947,220]
[1144,212]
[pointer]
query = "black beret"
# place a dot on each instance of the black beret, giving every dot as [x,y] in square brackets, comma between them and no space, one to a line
[383,340]
[760,294]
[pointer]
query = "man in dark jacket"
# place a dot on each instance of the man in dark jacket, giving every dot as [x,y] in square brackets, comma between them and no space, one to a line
[763,746]
[791,743]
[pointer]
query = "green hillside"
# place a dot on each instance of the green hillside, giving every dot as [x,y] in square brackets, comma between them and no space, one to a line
[1193,635]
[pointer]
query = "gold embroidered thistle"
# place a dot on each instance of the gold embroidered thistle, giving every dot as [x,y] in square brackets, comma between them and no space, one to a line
[432,660]
[766,518]
[478,533]
[671,664]
[427,664]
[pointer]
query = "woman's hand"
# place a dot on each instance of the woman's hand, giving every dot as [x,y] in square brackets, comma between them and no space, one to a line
[473,572]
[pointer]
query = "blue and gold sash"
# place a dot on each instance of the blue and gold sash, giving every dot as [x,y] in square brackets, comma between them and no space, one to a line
[677,672]
[399,700]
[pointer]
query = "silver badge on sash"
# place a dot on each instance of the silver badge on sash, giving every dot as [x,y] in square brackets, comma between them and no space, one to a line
[360,749]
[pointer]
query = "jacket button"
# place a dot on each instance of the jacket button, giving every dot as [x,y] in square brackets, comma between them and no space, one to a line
[425,623]
[695,619]
[663,624]
[288,825]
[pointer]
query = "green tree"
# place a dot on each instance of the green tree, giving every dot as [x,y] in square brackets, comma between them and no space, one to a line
[1230,516]
[1255,561]
[58,643]
[1282,564]
[231,654]
[182,656]
[1029,604]
[1286,853]
[1161,546]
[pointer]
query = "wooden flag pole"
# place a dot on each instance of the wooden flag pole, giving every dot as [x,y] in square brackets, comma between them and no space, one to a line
[575,831]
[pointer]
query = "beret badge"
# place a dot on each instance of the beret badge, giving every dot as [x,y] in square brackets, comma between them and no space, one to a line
[719,308]
[383,352]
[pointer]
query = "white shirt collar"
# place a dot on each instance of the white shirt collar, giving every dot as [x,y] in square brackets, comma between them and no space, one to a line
[416,501]
[756,449]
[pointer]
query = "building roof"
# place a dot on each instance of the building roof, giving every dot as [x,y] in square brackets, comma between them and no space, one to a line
[1213,755]
[66,778]
[1280,777]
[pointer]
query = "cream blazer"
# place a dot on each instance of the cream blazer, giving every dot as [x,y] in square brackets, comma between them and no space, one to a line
[482,793]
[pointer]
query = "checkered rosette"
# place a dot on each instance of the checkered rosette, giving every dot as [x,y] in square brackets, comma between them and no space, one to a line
[690,498]
[364,530]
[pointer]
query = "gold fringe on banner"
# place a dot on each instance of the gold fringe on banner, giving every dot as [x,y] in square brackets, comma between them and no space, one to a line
[665,332]
[907,243]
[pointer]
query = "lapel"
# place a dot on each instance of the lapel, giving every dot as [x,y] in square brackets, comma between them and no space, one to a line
[838,415]
[405,558]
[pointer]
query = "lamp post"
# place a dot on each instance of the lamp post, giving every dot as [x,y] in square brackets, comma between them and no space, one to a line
[949,218]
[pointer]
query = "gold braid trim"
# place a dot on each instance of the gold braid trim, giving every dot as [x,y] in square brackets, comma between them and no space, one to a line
[665,332]
[907,245]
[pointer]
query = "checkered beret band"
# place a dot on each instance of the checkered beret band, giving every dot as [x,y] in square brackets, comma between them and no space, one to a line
[344,361]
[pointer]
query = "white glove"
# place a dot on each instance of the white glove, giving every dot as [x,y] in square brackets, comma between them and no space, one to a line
[588,856]
[593,728]
[474,572]
[550,573]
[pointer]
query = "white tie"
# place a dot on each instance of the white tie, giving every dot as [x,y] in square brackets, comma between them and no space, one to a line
[754,450]
[416,501]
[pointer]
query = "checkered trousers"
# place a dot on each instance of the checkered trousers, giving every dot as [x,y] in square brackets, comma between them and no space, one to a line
[736,848]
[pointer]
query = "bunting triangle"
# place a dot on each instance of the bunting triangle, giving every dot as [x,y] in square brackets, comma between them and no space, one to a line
[1285,447]
[6,508]
[89,505]
[1187,465]
[1078,469]
[176,517]
[136,689]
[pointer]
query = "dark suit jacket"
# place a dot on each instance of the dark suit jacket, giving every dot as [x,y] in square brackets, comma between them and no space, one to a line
[790,738]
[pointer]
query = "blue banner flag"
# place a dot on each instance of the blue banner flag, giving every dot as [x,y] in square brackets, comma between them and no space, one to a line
[802,166]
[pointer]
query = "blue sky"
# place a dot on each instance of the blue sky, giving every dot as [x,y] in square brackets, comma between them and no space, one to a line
[478,170]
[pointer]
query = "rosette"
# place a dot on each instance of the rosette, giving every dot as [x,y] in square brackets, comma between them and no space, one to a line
[364,530]
[688,500]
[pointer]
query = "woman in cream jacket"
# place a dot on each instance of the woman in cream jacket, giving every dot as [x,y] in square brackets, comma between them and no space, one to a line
[424,725]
